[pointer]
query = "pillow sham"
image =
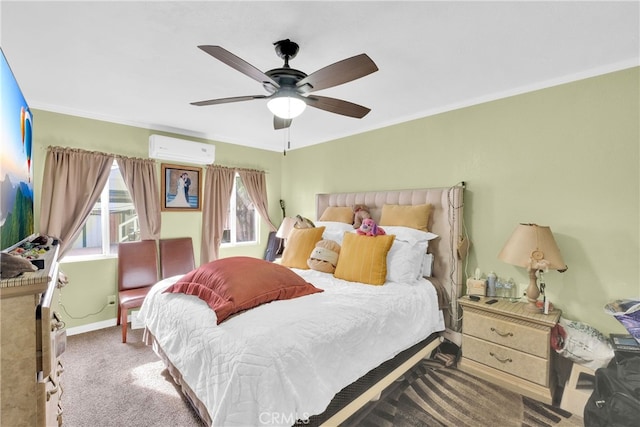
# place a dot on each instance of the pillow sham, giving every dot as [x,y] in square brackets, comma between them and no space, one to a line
[414,216]
[337,214]
[334,230]
[364,258]
[299,245]
[404,261]
[231,285]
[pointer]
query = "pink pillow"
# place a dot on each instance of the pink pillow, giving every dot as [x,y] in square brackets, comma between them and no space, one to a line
[231,285]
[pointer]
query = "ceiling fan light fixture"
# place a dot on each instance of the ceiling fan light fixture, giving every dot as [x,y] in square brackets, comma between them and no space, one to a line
[286,86]
[286,106]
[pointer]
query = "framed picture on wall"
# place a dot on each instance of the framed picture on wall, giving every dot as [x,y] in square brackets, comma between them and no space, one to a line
[181,188]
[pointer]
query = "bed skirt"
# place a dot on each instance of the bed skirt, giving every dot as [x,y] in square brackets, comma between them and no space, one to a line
[346,402]
[196,404]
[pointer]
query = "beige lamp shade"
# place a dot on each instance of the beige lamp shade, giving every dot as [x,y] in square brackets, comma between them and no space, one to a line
[286,227]
[532,246]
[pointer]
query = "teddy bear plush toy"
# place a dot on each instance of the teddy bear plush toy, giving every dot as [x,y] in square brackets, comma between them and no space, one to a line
[360,212]
[370,228]
[324,256]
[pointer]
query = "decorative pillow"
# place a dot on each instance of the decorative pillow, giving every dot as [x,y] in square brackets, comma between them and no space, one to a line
[414,216]
[324,256]
[13,266]
[364,258]
[300,243]
[404,261]
[337,214]
[231,285]
[334,230]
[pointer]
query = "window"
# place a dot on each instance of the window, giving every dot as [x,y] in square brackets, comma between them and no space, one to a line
[242,227]
[112,220]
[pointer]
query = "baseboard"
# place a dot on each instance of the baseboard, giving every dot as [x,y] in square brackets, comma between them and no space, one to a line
[91,327]
[98,325]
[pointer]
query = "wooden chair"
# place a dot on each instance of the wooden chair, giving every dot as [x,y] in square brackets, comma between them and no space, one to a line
[176,256]
[137,272]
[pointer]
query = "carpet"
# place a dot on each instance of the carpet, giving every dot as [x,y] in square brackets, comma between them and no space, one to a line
[107,383]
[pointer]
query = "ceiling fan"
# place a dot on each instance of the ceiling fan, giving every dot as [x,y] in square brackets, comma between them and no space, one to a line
[290,90]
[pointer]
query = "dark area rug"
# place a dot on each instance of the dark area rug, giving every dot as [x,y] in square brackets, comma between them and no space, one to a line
[432,395]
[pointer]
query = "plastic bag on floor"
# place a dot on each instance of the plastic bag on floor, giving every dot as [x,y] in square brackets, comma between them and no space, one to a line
[581,344]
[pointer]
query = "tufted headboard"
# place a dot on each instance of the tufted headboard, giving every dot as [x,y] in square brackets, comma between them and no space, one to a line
[445,221]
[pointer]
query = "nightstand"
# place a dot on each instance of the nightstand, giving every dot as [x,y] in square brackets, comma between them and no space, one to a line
[509,346]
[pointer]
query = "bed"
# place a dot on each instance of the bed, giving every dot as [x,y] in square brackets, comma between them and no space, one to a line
[291,360]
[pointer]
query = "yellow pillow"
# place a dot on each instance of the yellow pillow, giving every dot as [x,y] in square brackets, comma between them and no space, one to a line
[300,243]
[364,258]
[413,216]
[337,214]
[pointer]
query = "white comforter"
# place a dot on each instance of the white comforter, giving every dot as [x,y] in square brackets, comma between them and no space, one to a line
[286,360]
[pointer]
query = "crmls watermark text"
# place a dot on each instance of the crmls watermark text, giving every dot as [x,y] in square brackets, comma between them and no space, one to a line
[279,418]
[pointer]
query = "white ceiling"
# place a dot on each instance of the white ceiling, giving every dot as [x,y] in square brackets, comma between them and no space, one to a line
[138,63]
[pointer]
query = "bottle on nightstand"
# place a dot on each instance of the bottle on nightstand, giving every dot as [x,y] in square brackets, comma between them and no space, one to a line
[491,284]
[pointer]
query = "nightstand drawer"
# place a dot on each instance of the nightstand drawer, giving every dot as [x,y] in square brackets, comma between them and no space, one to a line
[526,366]
[528,338]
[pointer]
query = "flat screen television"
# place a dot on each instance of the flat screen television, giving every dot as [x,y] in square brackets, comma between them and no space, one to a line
[16,172]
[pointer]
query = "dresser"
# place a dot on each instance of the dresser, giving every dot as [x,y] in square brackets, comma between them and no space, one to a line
[32,340]
[510,346]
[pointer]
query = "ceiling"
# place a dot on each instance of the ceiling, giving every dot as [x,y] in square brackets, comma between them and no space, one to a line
[138,63]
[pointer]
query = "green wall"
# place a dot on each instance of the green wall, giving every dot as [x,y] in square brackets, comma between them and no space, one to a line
[90,282]
[567,157]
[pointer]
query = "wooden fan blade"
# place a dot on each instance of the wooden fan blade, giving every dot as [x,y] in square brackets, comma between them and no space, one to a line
[338,73]
[239,64]
[228,100]
[337,106]
[280,123]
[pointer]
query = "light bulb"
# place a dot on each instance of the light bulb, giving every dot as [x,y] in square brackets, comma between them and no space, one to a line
[286,106]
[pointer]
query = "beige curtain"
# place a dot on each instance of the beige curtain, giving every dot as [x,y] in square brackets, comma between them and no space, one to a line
[256,185]
[72,183]
[216,197]
[141,178]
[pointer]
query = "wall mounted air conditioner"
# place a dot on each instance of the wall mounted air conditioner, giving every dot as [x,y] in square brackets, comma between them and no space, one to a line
[181,150]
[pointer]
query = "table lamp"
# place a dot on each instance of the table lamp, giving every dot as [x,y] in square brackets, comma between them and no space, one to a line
[285,228]
[532,246]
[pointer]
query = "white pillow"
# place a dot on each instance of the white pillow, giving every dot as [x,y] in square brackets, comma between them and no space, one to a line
[408,234]
[427,265]
[334,230]
[404,260]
